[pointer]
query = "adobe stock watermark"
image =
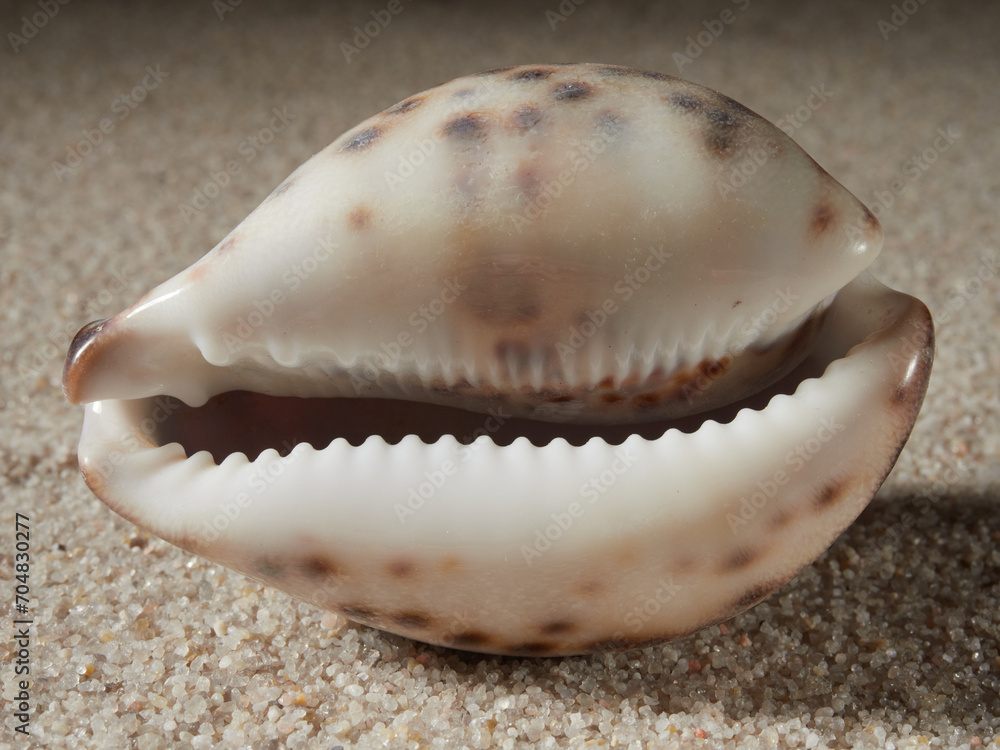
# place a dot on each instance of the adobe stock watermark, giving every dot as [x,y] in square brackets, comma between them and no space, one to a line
[434,479]
[636,618]
[912,170]
[795,461]
[265,473]
[162,408]
[388,353]
[121,106]
[750,332]
[58,340]
[31,25]
[590,492]
[416,153]
[219,179]
[761,152]
[562,13]
[363,35]
[901,13]
[264,308]
[582,158]
[623,290]
[702,40]
[223,8]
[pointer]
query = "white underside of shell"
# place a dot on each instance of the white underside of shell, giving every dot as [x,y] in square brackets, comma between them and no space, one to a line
[547,549]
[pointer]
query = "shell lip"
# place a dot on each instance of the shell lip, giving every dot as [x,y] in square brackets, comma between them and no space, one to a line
[81,352]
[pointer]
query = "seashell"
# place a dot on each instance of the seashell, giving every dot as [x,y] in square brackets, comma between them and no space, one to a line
[517,366]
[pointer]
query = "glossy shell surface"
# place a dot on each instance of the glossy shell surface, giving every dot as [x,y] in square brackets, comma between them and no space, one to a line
[514,366]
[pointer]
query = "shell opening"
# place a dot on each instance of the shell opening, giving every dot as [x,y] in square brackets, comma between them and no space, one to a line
[250,423]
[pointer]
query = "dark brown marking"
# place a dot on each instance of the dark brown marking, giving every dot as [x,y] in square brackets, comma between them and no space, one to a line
[823,219]
[362,140]
[469,639]
[686,102]
[606,382]
[494,71]
[556,627]
[870,220]
[734,106]
[358,612]
[737,303]
[573,91]
[405,106]
[359,218]
[402,568]
[412,619]
[831,494]
[618,71]
[532,74]
[470,125]
[739,560]
[320,567]
[647,400]
[525,118]
[752,596]
[720,131]
[611,398]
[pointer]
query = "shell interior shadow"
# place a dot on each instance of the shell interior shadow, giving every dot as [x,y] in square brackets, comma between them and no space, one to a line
[249,423]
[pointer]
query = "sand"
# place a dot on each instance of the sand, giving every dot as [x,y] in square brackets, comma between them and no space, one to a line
[888,640]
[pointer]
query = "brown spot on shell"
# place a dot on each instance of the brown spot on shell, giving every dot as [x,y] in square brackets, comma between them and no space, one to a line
[358,612]
[359,218]
[739,560]
[470,125]
[318,566]
[406,105]
[532,74]
[412,619]
[402,568]
[721,131]
[823,219]
[527,117]
[618,71]
[753,595]
[830,495]
[572,91]
[686,102]
[556,627]
[494,71]
[469,639]
[450,564]
[363,139]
